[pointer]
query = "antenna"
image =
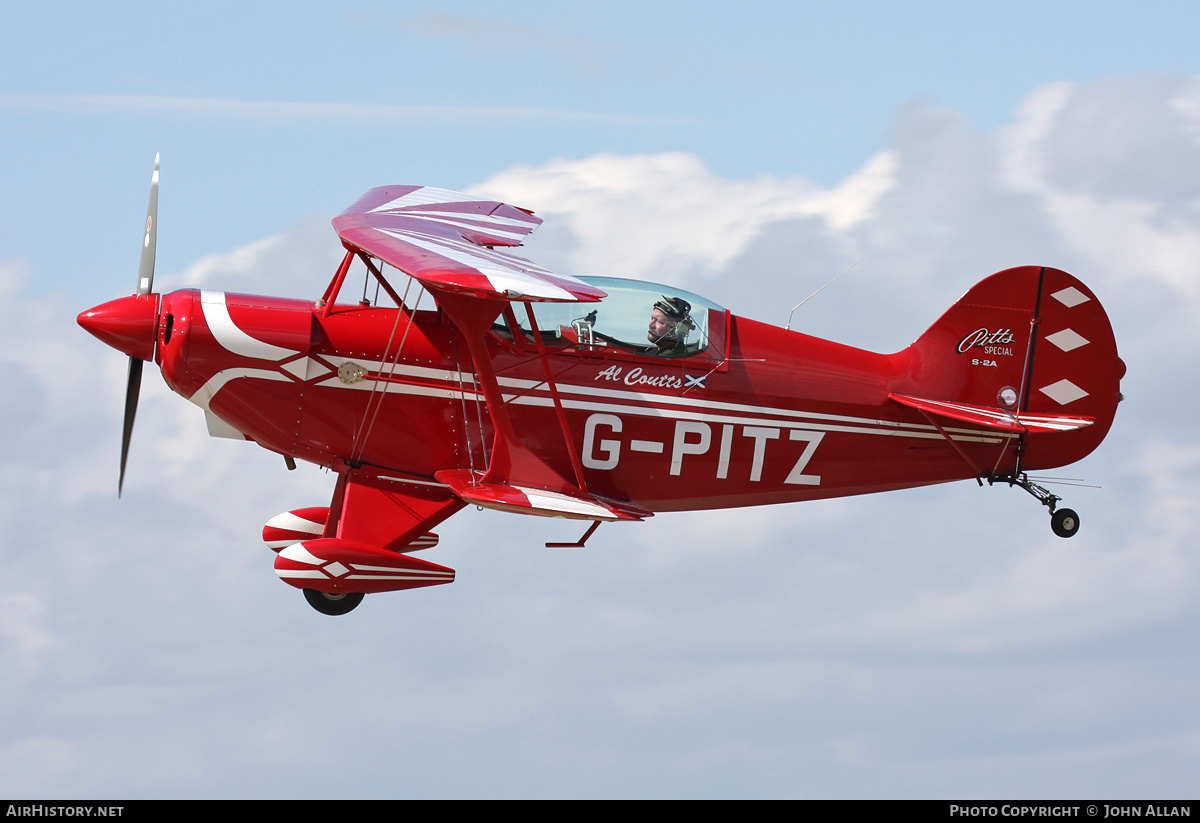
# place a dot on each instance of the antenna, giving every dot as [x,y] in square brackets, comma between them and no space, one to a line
[818,291]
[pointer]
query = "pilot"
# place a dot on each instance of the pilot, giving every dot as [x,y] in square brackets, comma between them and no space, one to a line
[670,323]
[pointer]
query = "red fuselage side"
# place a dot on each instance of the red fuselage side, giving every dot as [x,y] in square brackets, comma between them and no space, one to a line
[773,416]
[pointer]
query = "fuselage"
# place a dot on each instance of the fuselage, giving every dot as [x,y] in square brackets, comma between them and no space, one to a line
[763,415]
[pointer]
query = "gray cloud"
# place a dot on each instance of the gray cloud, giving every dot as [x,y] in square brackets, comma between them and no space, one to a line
[1115,139]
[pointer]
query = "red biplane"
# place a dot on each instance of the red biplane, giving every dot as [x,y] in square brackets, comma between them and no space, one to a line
[471,376]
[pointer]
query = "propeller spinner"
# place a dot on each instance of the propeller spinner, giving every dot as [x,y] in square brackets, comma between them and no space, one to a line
[130,324]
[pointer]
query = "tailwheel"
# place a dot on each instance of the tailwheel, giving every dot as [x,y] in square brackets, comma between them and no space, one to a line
[1064,522]
[332,604]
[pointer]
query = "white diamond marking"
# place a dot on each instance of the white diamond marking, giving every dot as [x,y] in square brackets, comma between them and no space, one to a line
[1067,340]
[1063,392]
[307,369]
[335,569]
[296,367]
[1070,297]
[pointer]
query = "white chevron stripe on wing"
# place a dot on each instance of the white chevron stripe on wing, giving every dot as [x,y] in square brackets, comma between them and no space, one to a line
[426,195]
[504,275]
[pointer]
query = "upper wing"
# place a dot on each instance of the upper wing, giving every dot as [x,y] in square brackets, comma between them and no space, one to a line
[446,240]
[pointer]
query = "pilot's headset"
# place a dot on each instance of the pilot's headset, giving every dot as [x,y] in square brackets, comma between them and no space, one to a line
[678,311]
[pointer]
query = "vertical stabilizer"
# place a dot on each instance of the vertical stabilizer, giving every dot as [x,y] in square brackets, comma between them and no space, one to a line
[1032,339]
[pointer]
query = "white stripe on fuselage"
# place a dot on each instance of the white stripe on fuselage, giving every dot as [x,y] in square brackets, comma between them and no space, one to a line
[230,337]
[600,399]
[653,405]
[204,395]
[455,377]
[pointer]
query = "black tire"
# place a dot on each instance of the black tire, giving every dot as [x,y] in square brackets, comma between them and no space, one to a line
[332,604]
[1064,522]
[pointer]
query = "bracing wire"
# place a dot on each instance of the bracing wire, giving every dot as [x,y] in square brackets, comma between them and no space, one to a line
[360,444]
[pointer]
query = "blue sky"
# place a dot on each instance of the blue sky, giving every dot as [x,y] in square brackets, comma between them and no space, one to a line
[934,643]
[456,92]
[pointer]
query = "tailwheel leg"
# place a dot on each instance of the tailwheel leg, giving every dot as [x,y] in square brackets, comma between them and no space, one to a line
[1063,522]
[332,604]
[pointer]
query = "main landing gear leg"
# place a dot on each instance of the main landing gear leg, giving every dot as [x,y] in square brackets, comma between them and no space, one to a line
[1063,522]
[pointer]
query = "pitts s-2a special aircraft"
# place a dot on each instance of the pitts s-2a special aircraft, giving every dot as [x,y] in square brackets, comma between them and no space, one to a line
[592,398]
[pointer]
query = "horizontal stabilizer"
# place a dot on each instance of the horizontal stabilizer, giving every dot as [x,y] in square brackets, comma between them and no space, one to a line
[995,418]
[522,500]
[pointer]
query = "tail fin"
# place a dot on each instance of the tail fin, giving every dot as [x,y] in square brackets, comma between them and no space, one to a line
[1032,339]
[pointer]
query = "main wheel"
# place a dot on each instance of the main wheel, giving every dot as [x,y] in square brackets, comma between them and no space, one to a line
[332,604]
[1064,522]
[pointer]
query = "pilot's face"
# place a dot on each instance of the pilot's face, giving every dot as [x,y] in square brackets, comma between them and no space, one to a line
[659,324]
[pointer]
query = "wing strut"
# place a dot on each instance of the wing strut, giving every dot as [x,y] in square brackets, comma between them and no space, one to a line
[516,479]
[335,286]
[576,464]
[510,460]
[387,287]
[961,452]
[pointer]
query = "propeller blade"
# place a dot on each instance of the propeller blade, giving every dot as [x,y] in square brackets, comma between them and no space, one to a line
[145,285]
[132,389]
[145,281]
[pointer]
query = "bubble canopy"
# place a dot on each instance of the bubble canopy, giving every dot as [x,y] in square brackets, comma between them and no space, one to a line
[621,319]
